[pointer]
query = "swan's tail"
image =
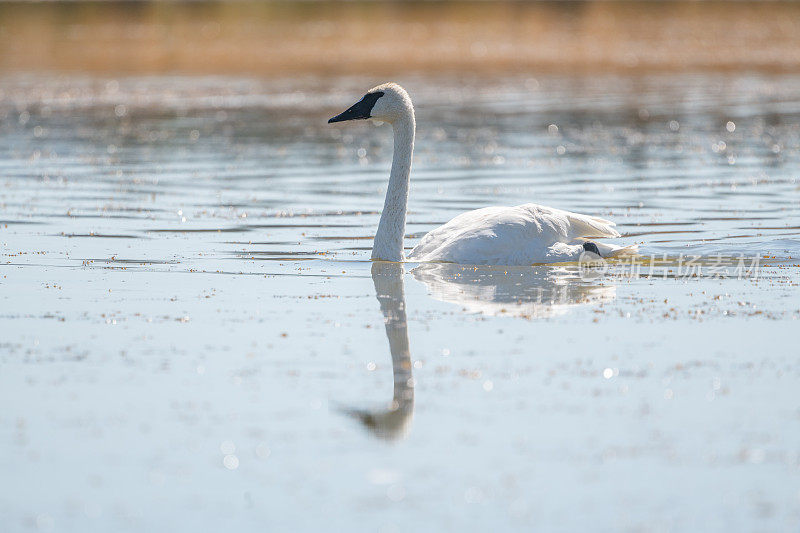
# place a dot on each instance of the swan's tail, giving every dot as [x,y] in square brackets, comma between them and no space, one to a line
[587,226]
[612,250]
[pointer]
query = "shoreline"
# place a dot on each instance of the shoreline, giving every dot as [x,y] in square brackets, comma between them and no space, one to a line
[323,38]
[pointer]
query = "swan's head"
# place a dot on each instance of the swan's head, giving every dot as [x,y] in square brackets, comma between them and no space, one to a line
[387,103]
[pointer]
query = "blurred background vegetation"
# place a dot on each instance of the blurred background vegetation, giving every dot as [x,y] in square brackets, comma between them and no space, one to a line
[384,37]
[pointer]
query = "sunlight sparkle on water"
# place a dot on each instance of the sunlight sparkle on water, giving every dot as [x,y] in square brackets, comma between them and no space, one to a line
[257,367]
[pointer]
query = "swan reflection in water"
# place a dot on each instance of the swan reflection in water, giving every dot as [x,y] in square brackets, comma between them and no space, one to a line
[393,421]
[534,292]
[531,292]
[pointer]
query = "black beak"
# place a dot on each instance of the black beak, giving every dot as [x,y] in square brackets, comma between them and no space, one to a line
[359,110]
[354,113]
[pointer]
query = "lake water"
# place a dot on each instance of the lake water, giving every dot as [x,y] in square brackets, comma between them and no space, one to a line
[192,335]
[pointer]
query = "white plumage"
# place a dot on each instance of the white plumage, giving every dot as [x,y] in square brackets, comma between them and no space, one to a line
[520,235]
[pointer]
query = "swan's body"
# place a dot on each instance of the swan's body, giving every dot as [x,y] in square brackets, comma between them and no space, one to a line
[520,235]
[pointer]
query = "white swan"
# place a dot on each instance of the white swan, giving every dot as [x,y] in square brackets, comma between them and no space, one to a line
[521,235]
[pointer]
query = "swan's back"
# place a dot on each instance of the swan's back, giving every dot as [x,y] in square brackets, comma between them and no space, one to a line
[519,235]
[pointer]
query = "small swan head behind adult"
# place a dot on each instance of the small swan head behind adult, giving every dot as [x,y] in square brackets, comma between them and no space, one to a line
[385,103]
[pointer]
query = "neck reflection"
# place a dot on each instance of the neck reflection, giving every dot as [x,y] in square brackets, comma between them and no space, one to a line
[394,421]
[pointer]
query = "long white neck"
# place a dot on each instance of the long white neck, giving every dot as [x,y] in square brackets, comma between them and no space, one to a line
[388,245]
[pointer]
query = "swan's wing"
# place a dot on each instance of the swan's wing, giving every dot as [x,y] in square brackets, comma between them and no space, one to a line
[507,235]
[569,226]
[464,228]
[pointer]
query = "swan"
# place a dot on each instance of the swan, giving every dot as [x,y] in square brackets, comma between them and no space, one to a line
[520,235]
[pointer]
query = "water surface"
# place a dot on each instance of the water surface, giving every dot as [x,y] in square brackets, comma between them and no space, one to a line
[193,334]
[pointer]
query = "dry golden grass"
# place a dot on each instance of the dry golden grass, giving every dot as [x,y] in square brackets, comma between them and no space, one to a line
[262,38]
